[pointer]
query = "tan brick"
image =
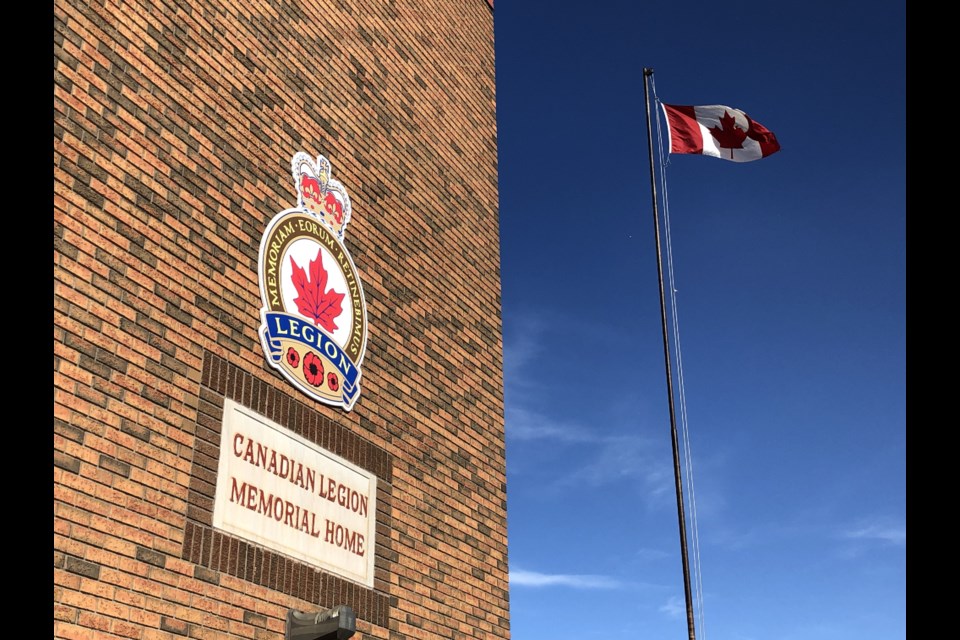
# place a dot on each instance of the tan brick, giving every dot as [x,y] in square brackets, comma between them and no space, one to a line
[129,360]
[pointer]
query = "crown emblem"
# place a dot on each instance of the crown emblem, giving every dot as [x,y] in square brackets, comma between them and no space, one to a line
[320,194]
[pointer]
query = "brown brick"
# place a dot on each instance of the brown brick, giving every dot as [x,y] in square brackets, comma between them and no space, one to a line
[173,130]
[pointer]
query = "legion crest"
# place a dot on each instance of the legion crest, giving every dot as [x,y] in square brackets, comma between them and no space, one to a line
[314,318]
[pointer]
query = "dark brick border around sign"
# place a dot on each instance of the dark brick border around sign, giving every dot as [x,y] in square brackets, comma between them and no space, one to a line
[214,550]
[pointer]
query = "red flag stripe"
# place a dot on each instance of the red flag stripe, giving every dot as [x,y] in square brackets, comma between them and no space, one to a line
[683,131]
[768,141]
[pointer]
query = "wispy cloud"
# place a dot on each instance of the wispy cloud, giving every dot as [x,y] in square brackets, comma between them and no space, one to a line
[523,424]
[674,607]
[735,537]
[522,578]
[626,459]
[525,342]
[603,455]
[650,555]
[882,531]
[811,525]
[621,457]
[601,459]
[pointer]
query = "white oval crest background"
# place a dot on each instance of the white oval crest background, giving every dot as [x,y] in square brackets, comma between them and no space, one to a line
[302,252]
[316,349]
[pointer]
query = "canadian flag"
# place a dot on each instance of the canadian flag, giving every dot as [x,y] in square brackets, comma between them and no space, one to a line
[718,131]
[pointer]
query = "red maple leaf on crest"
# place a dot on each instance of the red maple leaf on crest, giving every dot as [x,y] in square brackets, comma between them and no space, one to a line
[729,136]
[323,307]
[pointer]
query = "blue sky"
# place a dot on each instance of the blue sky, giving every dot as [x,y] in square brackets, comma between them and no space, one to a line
[790,278]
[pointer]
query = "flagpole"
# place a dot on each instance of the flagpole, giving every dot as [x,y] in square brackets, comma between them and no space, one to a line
[647,72]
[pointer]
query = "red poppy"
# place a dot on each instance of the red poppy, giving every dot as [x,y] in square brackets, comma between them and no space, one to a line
[313,369]
[293,358]
[333,381]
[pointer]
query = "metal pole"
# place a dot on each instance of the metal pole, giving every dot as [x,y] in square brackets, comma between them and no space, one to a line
[647,72]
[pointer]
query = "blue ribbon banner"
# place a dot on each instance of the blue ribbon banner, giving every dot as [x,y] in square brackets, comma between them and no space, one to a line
[285,326]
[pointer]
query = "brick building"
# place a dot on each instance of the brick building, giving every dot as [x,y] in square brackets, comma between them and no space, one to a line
[215,469]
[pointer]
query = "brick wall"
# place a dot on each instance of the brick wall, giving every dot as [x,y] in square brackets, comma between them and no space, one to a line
[174,127]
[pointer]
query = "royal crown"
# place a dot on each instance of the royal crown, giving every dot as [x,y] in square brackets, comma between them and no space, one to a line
[319,193]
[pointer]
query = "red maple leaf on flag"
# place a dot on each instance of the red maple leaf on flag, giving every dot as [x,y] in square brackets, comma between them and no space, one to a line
[323,307]
[728,135]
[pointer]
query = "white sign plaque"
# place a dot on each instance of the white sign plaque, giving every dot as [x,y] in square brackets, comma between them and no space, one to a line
[281,491]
